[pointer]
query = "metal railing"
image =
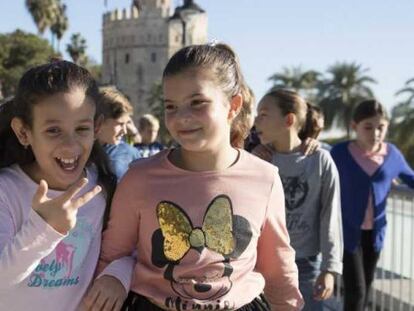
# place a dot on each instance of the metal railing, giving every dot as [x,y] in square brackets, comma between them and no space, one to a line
[393,287]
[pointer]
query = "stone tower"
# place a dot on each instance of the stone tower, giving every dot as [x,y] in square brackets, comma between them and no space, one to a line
[138,41]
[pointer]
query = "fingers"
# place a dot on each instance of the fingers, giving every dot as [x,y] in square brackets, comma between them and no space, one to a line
[118,305]
[40,194]
[102,304]
[85,198]
[89,300]
[321,292]
[327,293]
[74,189]
[318,291]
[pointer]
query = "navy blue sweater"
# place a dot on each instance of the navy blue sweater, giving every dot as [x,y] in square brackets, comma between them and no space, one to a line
[355,189]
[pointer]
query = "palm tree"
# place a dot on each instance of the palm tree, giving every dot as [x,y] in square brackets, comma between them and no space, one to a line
[43,13]
[339,94]
[402,121]
[295,78]
[77,48]
[60,24]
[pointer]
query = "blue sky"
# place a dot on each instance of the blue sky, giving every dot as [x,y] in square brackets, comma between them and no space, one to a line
[271,34]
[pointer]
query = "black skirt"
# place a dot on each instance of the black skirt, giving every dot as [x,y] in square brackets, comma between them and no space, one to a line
[136,302]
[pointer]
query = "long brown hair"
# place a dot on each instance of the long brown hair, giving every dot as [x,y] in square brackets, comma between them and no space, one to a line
[291,102]
[222,61]
[36,84]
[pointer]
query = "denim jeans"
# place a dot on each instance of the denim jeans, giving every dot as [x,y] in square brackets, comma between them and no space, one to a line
[309,269]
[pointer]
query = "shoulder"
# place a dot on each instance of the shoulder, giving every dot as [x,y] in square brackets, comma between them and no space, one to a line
[324,155]
[144,164]
[340,146]
[339,149]
[391,148]
[127,148]
[12,181]
[11,174]
[263,168]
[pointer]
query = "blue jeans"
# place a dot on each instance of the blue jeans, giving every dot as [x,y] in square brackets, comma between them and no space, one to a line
[309,269]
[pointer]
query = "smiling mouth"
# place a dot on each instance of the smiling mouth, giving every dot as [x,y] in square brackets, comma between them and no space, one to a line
[186,132]
[68,164]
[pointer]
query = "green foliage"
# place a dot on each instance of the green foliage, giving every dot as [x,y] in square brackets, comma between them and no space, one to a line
[402,122]
[156,104]
[60,23]
[43,12]
[341,91]
[77,49]
[18,52]
[295,78]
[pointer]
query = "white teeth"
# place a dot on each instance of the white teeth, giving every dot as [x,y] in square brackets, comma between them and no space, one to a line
[68,161]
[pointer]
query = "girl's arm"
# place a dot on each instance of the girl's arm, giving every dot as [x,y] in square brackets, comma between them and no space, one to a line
[406,173]
[275,256]
[121,236]
[331,240]
[330,231]
[49,220]
[21,252]
[115,267]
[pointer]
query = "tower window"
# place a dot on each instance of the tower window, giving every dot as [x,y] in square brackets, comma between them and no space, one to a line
[126,58]
[153,57]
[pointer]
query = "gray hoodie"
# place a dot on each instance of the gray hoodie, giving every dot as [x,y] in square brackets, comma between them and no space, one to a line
[313,211]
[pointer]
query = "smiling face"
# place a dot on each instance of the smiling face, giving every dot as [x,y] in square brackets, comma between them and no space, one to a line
[113,130]
[270,122]
[196,111]
[370,132]
[61,138]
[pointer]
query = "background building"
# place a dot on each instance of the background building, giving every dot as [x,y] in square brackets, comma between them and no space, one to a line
[138,41]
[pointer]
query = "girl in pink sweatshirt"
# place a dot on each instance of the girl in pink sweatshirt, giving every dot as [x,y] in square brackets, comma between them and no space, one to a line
[206,220]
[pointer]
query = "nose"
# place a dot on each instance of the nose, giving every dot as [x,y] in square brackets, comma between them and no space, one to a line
[184,114]
[71,144]
[124,129]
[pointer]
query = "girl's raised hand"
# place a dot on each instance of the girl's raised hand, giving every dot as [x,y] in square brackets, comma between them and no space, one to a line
[263,152]
[60,212]
[310,145]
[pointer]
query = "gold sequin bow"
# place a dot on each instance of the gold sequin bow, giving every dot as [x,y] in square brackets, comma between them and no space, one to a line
[179,234]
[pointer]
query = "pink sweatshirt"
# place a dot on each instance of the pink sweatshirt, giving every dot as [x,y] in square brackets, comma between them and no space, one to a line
[204,239]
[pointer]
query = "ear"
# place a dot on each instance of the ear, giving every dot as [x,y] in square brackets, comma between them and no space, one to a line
[353,125]
[290,119]
[236,104]
[21,131]
[98,123]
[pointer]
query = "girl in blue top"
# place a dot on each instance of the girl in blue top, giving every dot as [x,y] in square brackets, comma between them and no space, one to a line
[367,167]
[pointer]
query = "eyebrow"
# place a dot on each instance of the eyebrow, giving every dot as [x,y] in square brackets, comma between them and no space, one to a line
[166,100]
[53,121]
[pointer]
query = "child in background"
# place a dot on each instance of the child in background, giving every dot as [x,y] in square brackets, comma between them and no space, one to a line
[207,220]
[315,122]
[116,111]
[367,167]
[51,176]
[148,127]
[311,187]
[132,136]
